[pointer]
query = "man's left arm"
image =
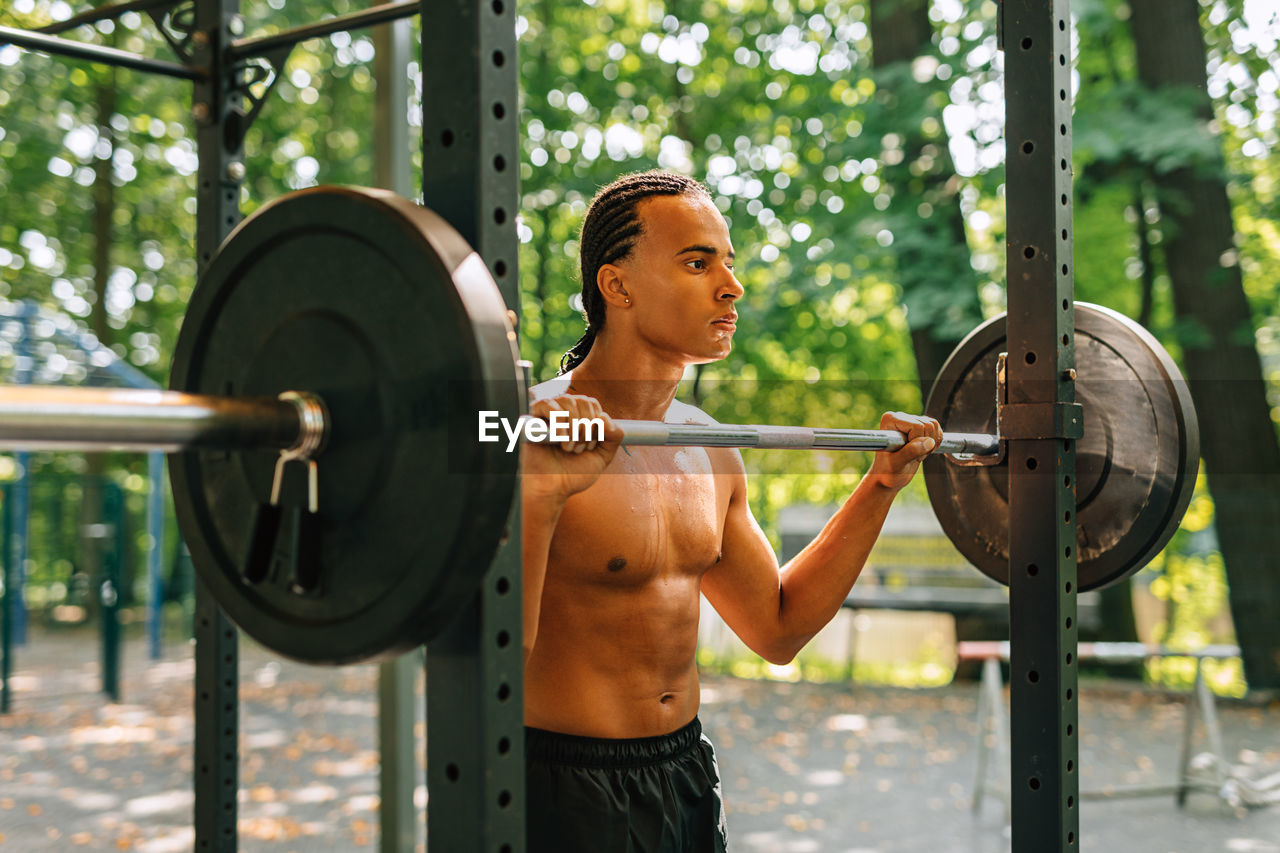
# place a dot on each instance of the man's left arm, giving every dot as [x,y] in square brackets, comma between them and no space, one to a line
[776,612]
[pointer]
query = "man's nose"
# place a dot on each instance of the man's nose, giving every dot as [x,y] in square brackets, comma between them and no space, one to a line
[731,289]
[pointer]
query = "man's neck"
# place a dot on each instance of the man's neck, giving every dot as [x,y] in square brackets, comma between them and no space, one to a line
[631,384]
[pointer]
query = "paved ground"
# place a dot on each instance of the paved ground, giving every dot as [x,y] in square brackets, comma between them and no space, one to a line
[806,767]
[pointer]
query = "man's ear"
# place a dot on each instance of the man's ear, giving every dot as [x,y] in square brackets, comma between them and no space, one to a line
[611,280]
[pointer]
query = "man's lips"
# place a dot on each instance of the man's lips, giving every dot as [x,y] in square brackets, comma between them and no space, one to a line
[729,322]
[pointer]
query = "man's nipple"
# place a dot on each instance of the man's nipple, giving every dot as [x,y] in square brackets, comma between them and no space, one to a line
[617,564]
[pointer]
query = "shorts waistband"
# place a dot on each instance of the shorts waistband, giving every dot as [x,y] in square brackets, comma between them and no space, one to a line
[557,748]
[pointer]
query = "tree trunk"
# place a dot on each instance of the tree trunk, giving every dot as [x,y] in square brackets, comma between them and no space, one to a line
[1238,439]
[938,285]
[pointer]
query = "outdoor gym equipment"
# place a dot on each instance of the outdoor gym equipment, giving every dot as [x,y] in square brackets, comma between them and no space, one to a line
[354,332]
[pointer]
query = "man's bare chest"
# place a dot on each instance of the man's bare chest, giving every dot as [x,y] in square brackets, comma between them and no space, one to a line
[655,512]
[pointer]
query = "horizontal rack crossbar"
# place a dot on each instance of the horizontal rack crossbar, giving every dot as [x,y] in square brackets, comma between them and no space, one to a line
[97,53]
[259,45]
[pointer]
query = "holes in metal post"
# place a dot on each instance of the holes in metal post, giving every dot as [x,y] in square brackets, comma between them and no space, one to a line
[504,799]
[503,639]
[1029,358]
[1028,147]
[504,692]
[499,215]
[499,110]
[446,138]
[1032,463]
[1033,676]
[1063,199]
[1032,569]
[451,772]
[1062,59]
[1068,587]
[498,7]
[503,586]
[1069,624]
[1064,269]
[1034,783]
[1026,43]
[504,746]
[1029,252]
[500,269]
[1062,130]
[499,163]
[499,58]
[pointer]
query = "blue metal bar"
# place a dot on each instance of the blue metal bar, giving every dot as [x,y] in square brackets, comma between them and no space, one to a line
[155,526]
[6,600]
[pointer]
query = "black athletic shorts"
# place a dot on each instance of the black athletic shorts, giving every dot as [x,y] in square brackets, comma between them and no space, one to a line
[639,795]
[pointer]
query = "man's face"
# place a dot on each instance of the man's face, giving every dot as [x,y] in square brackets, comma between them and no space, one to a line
[680,278]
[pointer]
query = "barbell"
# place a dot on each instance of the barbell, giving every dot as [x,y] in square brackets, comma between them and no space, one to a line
[355,332]
[88,419]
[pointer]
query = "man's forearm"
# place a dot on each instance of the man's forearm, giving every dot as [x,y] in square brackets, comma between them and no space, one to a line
[539,516]
[816,581]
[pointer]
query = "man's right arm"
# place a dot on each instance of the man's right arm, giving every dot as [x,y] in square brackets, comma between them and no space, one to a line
[539,517]
[550,474]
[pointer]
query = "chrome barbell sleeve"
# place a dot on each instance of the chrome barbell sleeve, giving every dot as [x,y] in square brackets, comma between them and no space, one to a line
[90,419]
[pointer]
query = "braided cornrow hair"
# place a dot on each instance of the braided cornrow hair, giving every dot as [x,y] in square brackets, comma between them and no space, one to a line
[609,234]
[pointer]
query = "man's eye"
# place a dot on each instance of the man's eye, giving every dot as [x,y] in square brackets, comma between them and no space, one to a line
[697,263]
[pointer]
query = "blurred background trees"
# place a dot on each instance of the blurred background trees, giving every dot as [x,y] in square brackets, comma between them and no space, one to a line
[855,148]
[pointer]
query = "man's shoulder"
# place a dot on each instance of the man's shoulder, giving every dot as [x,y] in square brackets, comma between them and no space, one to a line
[684,413]
[677,412]
[551,388]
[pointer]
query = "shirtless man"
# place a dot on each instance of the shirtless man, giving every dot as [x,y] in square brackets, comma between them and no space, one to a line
[618,546]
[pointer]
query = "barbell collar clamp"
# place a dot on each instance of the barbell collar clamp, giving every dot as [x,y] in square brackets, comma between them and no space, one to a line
[313,420]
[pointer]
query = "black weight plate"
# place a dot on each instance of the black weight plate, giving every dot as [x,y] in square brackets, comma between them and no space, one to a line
[1135,466]
[384,311]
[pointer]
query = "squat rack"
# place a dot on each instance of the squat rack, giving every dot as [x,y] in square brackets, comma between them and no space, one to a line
[470,153]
